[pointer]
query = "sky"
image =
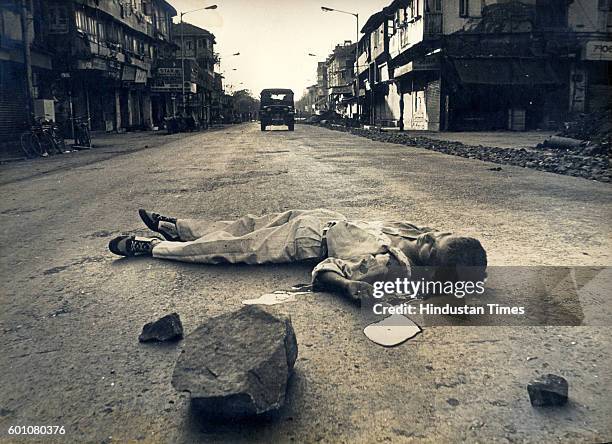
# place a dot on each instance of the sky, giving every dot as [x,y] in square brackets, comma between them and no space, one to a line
[274,37]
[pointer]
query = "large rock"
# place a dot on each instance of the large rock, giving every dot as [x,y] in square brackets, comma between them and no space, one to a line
[168,328]
[238,364]
[548,390]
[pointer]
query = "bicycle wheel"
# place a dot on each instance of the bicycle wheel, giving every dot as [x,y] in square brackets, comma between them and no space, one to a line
[34,145]
[26,144]
[58,140]
[85,137]
[47,143]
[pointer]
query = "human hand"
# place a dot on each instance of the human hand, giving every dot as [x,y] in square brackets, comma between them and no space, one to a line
[358,290]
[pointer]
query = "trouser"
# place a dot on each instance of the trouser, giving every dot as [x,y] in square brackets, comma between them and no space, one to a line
[291,236]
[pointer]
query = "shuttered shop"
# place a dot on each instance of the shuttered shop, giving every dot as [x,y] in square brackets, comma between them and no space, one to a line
[12,102]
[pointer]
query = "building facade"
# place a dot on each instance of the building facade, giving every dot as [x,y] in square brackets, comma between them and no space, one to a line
[15,93]
[340,75]
[104,55]
[90,59]
[479,65]
[196,45]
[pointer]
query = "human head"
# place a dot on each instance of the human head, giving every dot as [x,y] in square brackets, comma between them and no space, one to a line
[454,257]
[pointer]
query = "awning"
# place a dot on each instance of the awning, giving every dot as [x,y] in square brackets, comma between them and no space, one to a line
[496,71]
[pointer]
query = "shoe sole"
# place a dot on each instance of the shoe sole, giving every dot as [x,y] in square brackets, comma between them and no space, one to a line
[151,225]
[113,246]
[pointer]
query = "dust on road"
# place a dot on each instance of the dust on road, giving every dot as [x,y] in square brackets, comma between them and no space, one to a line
[72,311]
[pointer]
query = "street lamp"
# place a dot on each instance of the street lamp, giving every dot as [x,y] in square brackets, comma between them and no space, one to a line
[356,15]
[183,47]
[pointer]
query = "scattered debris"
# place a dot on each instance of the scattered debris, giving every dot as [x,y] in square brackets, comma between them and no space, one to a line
[238,364]
[559,142]
[594,126]
[278,297]
[590,161]
[392,330]
[548,390]
[168,328]
[495,169]
[531,358]
[452,402]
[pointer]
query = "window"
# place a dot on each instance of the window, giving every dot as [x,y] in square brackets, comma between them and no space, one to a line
[58,19]
[81,20]
[464,8]
[101,32]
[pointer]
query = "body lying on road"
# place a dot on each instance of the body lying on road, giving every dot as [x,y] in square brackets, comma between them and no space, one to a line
[351,254]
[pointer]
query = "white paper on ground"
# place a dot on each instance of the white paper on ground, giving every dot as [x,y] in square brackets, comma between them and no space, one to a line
[392,330]
[277,297]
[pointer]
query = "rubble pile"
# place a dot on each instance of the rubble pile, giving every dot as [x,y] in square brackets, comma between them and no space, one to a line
[595,166]
[238,364]
[593,127]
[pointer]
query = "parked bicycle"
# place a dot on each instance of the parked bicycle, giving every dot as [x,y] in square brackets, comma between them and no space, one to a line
[82,137]
[43,138]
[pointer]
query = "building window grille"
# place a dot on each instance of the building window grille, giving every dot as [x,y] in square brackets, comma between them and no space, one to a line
[464,8]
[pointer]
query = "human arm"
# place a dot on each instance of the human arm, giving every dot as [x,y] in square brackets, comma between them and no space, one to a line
[354,290]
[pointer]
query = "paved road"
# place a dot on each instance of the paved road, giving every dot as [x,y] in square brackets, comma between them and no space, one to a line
[71,311]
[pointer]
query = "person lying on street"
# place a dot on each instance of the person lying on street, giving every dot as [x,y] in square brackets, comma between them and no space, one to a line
[351,254]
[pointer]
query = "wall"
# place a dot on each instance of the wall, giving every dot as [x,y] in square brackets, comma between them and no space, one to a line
[409,34]
[452,22]
[585,16]
[421,103]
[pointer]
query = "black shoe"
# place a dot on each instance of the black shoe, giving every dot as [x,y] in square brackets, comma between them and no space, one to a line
[152,221]
[133,246]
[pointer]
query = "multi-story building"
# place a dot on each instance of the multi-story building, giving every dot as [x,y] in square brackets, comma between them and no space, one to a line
[375,82]
[340,64]
[321,102]
[104,53]
[18,97]
[196,45]
[468,64]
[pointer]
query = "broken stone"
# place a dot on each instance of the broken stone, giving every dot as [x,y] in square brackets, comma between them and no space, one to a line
[548,390]
[168,328]
[238,364]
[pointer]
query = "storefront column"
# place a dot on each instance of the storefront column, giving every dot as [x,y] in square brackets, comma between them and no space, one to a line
[147,110]
[117,109]
[130,108]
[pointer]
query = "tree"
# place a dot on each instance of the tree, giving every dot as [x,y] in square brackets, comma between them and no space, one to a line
[245,105]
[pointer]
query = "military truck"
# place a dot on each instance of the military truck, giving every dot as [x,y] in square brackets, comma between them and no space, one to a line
[277,108]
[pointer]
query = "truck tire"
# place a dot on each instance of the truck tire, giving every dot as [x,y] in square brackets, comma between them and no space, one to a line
[263,126]
[291,126]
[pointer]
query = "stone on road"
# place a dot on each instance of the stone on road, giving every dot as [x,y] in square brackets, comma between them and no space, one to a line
[238,364]
[548,390]
[167,328]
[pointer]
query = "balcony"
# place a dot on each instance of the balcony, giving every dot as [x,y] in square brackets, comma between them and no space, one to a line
[433,25]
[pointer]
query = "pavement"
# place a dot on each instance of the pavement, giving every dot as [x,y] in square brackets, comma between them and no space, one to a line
[72,312]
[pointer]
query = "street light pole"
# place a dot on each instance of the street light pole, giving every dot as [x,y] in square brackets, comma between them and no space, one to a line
[183,62]
[356,15]
[183,49]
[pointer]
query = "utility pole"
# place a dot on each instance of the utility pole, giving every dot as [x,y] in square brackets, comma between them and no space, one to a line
[27,58]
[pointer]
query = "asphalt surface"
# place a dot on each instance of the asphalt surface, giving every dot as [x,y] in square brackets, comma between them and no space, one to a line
[72,312]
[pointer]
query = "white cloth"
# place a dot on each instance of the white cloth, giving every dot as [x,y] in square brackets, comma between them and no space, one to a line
[356,250]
